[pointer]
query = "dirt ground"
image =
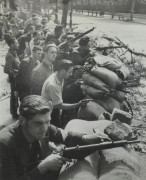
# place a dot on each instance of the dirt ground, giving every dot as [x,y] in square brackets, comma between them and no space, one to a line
[133,34]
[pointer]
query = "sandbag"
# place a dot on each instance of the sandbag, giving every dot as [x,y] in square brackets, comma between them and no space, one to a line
[94,81]
[86,169]
[89,90]
[82,170]
[107,76]
[123,72]
[91,111]
[109,103]
[108,62]
[113,164]
[119,96]
[119,164]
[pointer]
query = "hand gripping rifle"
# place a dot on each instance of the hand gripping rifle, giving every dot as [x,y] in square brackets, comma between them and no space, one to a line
[80,152]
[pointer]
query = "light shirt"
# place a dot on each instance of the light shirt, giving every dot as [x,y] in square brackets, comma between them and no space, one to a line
[52,90]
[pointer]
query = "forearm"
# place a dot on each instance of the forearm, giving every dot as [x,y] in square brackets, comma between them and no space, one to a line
[65,106]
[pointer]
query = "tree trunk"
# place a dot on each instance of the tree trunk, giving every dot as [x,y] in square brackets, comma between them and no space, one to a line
[132,9]
[56,12]
[113,8]
[71,11]
[64,14]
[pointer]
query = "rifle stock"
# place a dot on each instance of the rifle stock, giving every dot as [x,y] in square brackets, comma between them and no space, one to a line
[80,152]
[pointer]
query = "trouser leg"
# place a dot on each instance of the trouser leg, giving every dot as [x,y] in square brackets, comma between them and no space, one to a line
[13,101]
[55,118]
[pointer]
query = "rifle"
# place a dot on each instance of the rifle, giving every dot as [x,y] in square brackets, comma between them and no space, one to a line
[80,152]
[108,47]
[75,38]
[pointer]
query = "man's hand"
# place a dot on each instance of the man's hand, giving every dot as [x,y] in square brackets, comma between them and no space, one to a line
[16,94]
[78,82]
[94,138]
[52,163]
[84,102]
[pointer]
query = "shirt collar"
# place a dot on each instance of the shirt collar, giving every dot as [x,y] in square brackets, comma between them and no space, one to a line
[58,81]
[49,67]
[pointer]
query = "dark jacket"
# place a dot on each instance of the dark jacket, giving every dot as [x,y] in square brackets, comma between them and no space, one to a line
[39,76]
[79,57]
[23,78]
[15,152]
[11,64]
[22,40]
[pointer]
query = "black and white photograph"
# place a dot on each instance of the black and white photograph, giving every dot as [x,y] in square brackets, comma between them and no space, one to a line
[72,89]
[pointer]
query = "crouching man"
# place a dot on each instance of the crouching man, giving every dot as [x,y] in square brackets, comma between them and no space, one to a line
[24,149]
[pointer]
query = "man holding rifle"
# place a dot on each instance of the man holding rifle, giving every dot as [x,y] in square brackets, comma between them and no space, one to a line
[24,150]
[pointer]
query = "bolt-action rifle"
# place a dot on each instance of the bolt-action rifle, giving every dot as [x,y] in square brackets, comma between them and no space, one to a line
[108,47]
[64,44]
[80,152]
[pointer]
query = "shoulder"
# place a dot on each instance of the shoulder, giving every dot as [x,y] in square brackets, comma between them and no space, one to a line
[51,79]
[9,55]
[7,135]
[37,69]
[25,61]
[49,83]
[37,72]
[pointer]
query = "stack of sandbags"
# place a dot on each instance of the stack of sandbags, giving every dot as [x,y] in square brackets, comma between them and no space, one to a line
[114,164]
[101,81]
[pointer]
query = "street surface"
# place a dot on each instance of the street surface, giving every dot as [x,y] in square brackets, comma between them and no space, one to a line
[131,33]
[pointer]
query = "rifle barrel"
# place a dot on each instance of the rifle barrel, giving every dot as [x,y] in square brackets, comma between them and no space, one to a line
[109,47]
[81,35]
[105,145]
[80,152]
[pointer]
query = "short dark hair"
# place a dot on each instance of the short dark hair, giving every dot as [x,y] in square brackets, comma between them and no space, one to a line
[36,32]
[84,41]
[50,38]
[38,27]
[77,67]
[63,64]
[58,28]
[9,39]
[35,48]
[29,27]
[33,105]
[34,15]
